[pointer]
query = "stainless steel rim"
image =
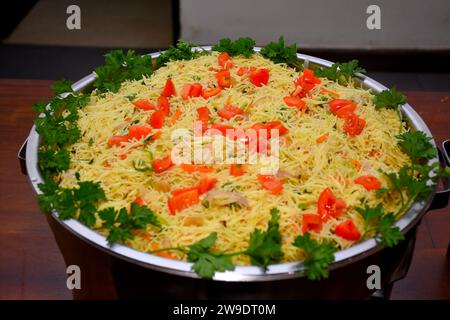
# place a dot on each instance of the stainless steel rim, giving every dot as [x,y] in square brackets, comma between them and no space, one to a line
[241,273]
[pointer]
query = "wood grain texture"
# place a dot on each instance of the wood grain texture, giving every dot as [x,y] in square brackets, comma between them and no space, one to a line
[32,267]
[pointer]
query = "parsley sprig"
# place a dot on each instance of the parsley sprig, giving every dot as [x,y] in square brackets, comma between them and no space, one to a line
[341,72]
[121,223]
[181,51]
[391,98]
[278,52]
[120,66]
[377,222]
[411,181]
[318,256]
[265,246]
[241,46]
[80,201]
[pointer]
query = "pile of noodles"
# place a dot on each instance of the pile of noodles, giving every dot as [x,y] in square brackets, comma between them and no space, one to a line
[311,166]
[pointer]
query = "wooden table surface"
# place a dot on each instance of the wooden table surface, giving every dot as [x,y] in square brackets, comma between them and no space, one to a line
[31,266]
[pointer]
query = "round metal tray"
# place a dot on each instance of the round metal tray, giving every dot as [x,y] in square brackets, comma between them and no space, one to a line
[241,273]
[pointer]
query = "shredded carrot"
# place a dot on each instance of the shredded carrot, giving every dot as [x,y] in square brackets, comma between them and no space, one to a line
[331,93]
[175,117]
[142,233]
[106,164]
[375,153]
[322,138]
[196,168]
[356,164]
[163,254]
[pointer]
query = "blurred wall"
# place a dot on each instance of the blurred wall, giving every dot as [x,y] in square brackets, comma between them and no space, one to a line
[340,24]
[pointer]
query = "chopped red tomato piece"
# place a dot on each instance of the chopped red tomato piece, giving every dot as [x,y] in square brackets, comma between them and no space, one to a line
[270,183]
[259,77]
[328,206]
[139,201]
[311,222]
[185,91]
[225,60]
[305,83]
[237,170]
[161,165]
[183,200]
[169,89]
[229,112]
[294,102]
[354,125]
[157,119]
[183,190]
[203,114]
[196,90]
[224,79]
[347,230]
[206,184]
[245,70]
[369,182]
[163,105]
[206,94]
[342,108]
[275,125]
[138,132]
[144,104]
[117,140]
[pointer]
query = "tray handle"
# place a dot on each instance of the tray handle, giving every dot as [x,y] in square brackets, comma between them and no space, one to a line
[441,197]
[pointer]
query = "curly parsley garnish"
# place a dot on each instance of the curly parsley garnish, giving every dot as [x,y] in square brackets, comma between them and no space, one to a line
[389,99]
[318,256]
[241,46]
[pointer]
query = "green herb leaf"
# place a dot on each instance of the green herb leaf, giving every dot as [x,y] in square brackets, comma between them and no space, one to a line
[417,145]
[318,256]
[265,246]
[181,51]
[121,224]
[380,223]
[278,52]
[207,263]
[62,86]
[339,71]
[241,46]
[120,67]
[389,99]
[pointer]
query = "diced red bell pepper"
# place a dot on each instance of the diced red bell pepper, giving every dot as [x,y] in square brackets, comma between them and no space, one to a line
[342,108]
[196,90]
